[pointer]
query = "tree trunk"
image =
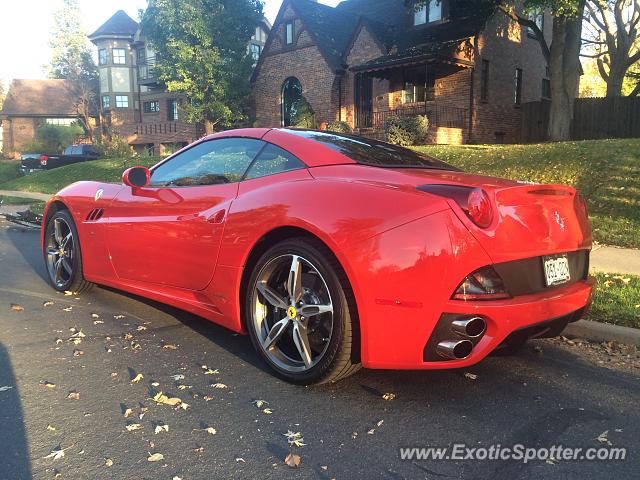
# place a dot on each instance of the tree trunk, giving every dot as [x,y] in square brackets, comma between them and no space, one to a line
[564,63]
[615,81]
[209,127]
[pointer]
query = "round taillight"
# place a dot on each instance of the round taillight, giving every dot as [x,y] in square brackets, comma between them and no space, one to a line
[479,208]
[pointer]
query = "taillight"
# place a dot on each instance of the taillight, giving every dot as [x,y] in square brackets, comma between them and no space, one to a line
[483,284]
[473,201]
[43,159]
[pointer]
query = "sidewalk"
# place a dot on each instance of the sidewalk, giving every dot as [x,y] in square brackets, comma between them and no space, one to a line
[29,195]
[615,260]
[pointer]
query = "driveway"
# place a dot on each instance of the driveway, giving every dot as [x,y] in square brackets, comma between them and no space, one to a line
[546,395]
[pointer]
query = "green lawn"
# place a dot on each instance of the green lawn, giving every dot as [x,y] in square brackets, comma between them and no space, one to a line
[606,172]
[617,300]
[105,170]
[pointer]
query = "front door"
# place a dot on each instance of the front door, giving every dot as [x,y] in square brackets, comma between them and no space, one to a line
[170,232]
[364,101]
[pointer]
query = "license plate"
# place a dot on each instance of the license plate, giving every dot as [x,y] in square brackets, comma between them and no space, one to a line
[556,270]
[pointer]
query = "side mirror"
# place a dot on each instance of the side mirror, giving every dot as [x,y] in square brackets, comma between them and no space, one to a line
[137,177]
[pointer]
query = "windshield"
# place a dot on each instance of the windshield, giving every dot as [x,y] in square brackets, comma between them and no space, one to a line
[373,152]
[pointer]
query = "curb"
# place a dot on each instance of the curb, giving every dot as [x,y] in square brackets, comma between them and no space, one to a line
[602,332]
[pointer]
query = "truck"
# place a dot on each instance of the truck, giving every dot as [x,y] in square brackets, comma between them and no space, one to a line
[32,162]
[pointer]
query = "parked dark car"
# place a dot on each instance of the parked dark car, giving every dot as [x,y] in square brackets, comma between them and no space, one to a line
[72,154]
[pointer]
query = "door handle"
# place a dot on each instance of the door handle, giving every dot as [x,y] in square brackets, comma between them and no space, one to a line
[217,217]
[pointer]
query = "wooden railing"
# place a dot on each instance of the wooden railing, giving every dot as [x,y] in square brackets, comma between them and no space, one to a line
[438,115]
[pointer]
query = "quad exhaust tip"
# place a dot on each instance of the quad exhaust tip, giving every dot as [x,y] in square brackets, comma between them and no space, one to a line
[455,349]
[470,327]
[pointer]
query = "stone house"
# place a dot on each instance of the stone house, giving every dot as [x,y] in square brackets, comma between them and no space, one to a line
[31,103]
[366,60]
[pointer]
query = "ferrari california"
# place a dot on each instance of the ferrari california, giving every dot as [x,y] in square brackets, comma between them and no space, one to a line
[332,251]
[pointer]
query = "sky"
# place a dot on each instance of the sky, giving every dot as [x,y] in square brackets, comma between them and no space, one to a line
[26,24]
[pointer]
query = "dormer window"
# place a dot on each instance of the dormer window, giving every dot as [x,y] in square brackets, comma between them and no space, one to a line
[289,33]
[429,12]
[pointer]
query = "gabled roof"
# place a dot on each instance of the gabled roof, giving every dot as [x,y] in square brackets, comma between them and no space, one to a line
[120,24]
[331,29]
[46,98]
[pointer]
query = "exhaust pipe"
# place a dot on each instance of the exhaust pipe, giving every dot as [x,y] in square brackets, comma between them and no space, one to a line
[455,349]
[470,327]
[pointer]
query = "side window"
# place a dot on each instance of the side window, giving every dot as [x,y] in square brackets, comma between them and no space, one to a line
[273,160]
[210,163]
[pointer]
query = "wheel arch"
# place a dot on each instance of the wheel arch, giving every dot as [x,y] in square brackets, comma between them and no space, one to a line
[279,234]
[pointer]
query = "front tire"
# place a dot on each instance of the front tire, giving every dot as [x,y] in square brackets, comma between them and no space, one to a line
[62,254]
[299,313]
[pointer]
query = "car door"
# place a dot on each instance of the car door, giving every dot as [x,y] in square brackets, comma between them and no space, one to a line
[169,233]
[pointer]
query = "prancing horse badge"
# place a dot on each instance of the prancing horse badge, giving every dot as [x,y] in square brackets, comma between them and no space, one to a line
[98,194]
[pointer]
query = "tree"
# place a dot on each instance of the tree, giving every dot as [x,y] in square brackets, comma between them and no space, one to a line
[72,59]
[2,93]
[611,28]
[201,51]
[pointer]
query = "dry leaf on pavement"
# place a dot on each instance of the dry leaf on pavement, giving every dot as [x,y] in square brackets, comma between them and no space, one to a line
[219,386]
[161,428]
[292,460]
[108,462]
[156,457]
[137,378]
[17,308]
[74,395]
[389,396]
[133,426]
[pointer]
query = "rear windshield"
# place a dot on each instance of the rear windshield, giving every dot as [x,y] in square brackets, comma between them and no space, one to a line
[372,152]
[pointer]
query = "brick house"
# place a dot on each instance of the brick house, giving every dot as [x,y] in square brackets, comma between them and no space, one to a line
[366,60]
[32,103]
[133,101]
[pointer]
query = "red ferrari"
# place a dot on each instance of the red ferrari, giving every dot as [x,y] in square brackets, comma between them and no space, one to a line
[332,251]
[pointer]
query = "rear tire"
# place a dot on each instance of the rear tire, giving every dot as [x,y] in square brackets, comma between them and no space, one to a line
[299,310]
[62,254]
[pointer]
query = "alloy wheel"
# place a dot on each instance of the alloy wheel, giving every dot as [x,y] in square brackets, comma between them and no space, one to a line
[292,313]
[60,252]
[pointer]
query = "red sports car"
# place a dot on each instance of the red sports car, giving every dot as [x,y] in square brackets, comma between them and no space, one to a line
[332,251]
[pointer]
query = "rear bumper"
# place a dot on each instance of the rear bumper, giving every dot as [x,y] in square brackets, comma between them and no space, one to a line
[537,315]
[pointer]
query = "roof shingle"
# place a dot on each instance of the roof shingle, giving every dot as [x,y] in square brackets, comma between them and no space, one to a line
[119,24]
[48,98]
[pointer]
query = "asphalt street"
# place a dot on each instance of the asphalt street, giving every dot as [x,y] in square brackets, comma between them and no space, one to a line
[544,396]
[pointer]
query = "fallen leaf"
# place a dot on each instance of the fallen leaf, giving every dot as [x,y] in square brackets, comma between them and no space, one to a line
[161,428]
[68,309]
[127,336]
[169,346]
[164,399]
[51,428]
[240,460]
[389,396]
[184,406]
[47,304]
[292,460]
[128,412]
[68,293]
[119,317]
[78,334]
[108,462]
[260,403]
[17,308]
[133,426]
[209,430]
[137,378]
[199,450]
[155,384]
[470,376]
[48,384]
[602,438]
[95,315]
[156,457]
[267,411]
[135,345]
[141,328]
[297,442]
[73,395]
[5,388]
[176,478]
[219,386]
[78,353]
[98,322]
[184,387]
[177,377]
[208,398]
[291,435]
[59,341]
[211,372]
[57,453]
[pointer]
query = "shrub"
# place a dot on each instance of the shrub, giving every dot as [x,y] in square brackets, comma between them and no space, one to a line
[303,115]
[340,127]
[51,139]
[407,130]
[111,145]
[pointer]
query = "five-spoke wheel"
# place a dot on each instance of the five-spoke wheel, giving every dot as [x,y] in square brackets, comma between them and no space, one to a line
[298,315]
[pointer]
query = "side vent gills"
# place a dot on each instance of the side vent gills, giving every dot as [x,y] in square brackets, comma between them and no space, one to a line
[95,215]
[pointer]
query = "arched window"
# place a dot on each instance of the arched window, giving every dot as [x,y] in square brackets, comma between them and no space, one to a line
[291,96]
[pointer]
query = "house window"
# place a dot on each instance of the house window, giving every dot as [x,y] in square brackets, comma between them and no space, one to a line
[106,101]
[537,17]
[102,57]
[151,107]
[260,35]
[122,101]
[428,12]
[419,84]
[172,110]
[484,81]
[255,51]
[289,31]
[518,86]
[141,56]
[546,88]
[119,56]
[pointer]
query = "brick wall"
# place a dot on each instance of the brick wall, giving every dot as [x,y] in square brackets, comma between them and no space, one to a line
[302,60]
[507,46]
[16,132]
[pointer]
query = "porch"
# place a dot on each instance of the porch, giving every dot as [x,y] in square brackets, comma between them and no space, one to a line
[440,88]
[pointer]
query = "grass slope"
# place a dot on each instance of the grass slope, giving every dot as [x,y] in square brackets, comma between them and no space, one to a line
[606,172]
[617,300]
